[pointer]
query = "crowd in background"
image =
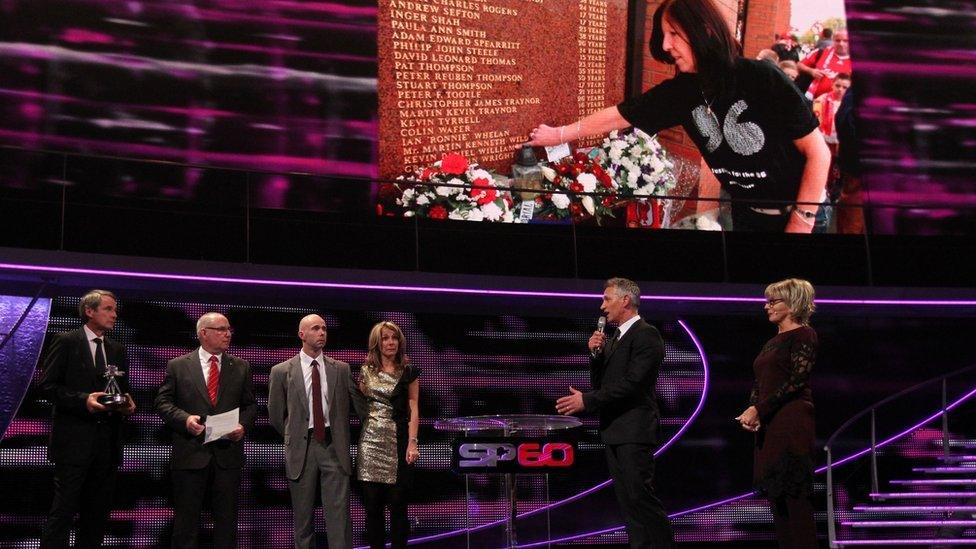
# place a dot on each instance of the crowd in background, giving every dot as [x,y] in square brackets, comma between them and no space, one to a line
[822,73]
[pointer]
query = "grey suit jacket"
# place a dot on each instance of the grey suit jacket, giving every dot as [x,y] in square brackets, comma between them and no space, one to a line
[289,410]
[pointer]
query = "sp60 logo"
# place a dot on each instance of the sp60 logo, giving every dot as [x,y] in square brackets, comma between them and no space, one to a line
[512,456]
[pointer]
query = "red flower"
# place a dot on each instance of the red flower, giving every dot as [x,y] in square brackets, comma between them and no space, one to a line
[562,168]
[575,208]
[576,187]
[481,192]
[438,212]
[579,157]
[538,200]
[558,180]
[454,163]
[425,175]
[608,201]
[605,179]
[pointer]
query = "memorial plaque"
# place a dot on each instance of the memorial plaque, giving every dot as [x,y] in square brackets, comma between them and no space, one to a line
[476,77]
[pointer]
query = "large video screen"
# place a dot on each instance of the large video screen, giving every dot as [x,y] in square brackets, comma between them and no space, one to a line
[416,109]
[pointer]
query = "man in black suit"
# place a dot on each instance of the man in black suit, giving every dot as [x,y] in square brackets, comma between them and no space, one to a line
[86,441]
[204,382]
[623,373]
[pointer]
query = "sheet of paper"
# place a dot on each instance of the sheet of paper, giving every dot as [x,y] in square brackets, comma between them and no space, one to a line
[219,425]
[557,153]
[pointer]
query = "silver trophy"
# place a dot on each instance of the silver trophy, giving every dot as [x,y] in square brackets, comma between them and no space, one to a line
[113,397]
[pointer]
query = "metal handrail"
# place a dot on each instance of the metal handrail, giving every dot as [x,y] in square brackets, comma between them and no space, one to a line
[871,410]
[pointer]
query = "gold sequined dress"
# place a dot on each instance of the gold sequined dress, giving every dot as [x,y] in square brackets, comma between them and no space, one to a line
[378,452]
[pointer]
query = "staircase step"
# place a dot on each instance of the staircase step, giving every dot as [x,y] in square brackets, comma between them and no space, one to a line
[956,443]
[944,469]
[933,541]
[916,508]
[909,523]
[922,495]
[957,458]
[936,482]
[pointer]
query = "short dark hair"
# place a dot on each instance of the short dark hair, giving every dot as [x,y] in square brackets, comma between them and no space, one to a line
[92,300]
[827,33]
[709,35]
[842,76]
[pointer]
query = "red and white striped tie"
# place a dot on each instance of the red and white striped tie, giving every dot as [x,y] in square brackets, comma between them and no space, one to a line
[213,380]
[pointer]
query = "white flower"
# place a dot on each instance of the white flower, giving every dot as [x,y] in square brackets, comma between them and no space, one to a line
[632,177]
[646,190]
[614,154]
[656,164]
[462,197]
[588,204]
[560,200]
[422,200]
[408,214]
[614,134]
[475,215]
[509,217]
[448,191]
[408,195]
[480,174]
[588,181]
[549,173]
[455,215]
[491,211]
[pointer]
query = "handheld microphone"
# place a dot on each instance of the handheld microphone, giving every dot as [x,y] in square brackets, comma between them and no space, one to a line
[601,325]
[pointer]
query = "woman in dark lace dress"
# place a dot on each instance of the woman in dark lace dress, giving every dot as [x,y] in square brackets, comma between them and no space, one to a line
[781,413]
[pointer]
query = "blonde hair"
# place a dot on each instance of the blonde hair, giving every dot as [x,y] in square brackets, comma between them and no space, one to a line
[798,295]
[373,356]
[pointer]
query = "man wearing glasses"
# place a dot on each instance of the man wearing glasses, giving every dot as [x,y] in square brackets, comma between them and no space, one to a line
[204,382]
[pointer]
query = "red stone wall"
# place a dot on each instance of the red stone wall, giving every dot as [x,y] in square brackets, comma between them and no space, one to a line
[766,18]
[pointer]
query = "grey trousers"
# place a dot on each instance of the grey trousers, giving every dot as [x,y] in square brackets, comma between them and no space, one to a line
[322,471]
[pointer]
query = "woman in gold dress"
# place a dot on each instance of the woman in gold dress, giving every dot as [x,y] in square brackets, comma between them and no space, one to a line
[388,441]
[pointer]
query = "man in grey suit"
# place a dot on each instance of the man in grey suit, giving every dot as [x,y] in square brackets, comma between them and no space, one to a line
[204,382]
[308,404]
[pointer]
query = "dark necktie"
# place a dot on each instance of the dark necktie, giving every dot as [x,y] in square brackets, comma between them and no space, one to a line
[213,380]
[99,355]
[318,416]
[614,340]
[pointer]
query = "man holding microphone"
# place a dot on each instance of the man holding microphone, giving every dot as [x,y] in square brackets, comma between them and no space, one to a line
[623,373]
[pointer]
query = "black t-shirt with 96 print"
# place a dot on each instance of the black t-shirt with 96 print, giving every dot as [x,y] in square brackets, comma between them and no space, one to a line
[747,138]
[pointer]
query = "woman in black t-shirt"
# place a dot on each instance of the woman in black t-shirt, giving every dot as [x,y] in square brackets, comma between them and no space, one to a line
[751,125]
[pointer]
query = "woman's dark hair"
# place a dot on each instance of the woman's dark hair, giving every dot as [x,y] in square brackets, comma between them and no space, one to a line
[709,36]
